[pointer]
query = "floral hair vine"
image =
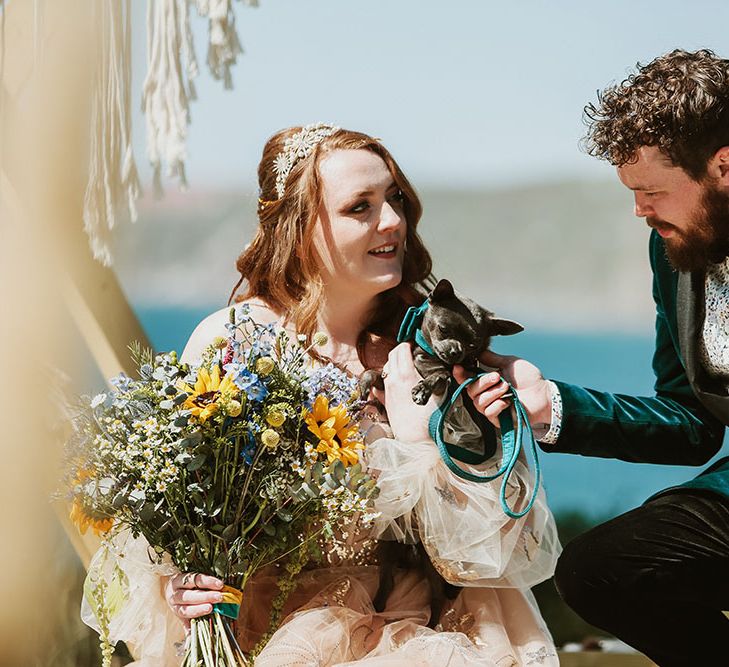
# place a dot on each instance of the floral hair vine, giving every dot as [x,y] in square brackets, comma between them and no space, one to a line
[297,147]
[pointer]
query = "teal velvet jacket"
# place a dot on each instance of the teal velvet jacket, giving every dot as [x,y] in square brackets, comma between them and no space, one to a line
[683,424]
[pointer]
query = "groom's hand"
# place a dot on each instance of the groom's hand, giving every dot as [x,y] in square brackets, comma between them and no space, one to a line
[488,392]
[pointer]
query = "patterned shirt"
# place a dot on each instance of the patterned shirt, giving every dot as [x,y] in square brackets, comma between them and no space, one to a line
[713,346]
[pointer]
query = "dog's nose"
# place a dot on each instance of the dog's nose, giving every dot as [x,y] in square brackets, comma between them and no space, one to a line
[451,351]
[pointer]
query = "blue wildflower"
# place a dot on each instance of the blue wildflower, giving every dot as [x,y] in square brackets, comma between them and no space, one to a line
[332,382]
[122,382]
[247,381]
[249,449]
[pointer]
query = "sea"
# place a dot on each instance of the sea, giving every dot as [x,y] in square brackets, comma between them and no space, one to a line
[596,488]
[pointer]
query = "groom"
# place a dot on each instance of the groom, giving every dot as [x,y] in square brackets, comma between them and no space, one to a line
[658,576]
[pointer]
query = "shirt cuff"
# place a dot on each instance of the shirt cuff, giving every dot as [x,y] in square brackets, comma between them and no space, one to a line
[550,435]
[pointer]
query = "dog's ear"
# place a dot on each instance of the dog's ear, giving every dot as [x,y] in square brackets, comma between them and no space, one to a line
[502,327]
[443,290]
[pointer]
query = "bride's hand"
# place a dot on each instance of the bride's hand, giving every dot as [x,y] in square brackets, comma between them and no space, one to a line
[408,420]
[191,595]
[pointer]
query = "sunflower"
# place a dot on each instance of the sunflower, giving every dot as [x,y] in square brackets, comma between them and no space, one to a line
[83,517]
[202,399]
[337,438]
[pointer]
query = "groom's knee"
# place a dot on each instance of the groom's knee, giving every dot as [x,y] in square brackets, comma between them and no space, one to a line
[584,575]
[572,573]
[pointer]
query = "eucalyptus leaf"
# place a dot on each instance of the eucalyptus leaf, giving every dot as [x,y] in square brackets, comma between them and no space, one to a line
[338,470]
[220,565]
[203,539]
[231,532]
[192,440]
[355,480]
[311,491]
[331,481]
[196,463]
[284,515]
[105,485]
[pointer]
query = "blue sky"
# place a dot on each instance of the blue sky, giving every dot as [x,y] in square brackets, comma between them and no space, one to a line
[465,93]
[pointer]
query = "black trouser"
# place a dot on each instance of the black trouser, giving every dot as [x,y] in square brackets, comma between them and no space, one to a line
[657,578]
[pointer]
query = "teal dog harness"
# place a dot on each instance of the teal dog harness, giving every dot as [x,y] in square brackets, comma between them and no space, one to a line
[511,437]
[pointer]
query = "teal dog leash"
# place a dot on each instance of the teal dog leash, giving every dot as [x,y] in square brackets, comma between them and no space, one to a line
[511,437]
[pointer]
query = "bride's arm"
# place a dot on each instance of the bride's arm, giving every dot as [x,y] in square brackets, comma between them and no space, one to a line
[461,523]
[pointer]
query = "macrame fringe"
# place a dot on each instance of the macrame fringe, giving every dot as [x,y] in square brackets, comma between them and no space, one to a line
[223,44]
[171,70]
[113,186]
[168,89]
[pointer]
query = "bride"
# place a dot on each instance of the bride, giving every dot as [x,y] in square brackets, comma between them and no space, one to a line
[337,251]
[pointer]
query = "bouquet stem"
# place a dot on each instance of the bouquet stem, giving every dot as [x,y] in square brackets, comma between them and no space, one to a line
[212,644]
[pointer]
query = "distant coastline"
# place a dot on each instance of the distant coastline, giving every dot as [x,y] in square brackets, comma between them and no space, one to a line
[558,257]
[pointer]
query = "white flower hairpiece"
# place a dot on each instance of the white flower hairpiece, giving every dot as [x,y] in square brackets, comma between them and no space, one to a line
[296,148]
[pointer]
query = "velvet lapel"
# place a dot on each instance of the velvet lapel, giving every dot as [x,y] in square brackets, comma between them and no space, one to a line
[690,318]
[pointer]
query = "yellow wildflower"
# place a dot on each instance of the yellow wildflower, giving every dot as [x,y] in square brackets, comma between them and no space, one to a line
[264,366]
[203,399]
[270,438]
[320,338]
[275,417]
[233,408]
[337,438]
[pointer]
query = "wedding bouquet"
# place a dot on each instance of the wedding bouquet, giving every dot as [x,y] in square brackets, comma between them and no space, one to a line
[224,467]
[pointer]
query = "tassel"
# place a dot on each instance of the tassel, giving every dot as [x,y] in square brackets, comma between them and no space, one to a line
[113,185]
[165,97]
[224,46]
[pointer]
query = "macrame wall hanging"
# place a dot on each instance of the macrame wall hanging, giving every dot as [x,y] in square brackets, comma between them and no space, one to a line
[168,89]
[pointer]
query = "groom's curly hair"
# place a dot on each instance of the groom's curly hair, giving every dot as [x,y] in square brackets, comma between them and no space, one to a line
[679,103]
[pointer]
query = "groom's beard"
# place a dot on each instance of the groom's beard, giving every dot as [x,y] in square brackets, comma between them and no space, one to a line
[706,241]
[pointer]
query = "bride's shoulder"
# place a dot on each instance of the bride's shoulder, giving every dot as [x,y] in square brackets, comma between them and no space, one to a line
[214,325]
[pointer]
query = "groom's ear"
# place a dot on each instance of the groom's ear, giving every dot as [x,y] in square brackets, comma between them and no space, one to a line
[718,167]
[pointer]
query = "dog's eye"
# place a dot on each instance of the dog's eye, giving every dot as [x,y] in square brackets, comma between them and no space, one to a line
[443,330]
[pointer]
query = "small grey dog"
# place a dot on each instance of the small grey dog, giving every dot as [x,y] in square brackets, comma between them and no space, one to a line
[458,330]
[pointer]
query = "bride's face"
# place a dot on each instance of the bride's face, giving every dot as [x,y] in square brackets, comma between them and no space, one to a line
[359,234]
